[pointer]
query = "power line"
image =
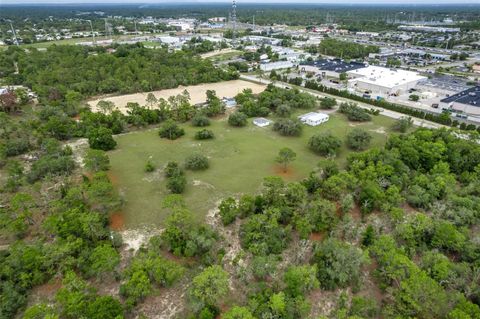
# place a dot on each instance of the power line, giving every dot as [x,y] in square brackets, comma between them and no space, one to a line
[234,20]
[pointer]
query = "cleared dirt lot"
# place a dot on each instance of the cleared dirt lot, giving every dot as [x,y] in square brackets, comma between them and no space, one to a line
[197,93]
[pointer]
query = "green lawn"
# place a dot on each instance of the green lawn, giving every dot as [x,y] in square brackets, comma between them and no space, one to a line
[239,159]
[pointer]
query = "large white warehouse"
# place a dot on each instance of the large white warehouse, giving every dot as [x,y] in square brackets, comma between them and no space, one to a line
[383,81]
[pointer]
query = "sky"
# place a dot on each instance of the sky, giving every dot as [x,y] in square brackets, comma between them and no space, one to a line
[244,1]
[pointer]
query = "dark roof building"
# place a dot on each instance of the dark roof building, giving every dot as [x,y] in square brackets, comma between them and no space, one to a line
[336,65]
[467,101]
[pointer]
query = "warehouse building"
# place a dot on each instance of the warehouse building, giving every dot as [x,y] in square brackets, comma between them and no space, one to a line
[329,68]
[276,65]
[467,101]
[383,81]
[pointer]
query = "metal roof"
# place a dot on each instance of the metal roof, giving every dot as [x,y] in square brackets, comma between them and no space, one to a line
[470,97]
[335,65]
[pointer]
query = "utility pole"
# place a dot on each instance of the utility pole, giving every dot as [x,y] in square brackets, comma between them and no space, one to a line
[234,20]
[135,22]
[93,33]
[14,34]
[253,22]
[108,32]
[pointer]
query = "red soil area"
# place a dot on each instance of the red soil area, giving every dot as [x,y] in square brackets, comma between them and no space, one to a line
[117,221]
[279,170]
[317,236]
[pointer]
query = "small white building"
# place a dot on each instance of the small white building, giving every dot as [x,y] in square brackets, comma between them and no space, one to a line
[229,102]
[314,118]
[261,122]
[169,40]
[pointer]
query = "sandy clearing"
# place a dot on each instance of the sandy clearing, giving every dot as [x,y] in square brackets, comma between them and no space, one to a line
[197,93]
[218,52]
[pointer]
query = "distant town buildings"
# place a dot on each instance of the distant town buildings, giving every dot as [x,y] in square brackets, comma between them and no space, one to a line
[424,28]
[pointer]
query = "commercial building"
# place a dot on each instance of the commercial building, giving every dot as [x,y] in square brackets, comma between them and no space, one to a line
[444,85]
[276,65]
[383,81]
[467,101]
[424,28]
[329,68]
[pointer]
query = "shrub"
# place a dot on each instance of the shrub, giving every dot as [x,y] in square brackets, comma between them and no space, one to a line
[414,97]
[328,103]
[324,144]
[101,139]
[354,112]
[237,119]
[200,120]
[149,166]
[196,162]
[171,130]
[338,263]
[403,124]
[172,169]
[228,210]
[176,178]
[176,184]
[288,127]
[283,110]
[96,160]
[204,135]
[14,147]
[358,139]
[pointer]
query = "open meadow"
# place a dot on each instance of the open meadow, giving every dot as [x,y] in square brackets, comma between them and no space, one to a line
[239,160]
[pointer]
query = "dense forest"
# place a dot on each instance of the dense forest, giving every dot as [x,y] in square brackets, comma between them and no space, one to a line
[344,49]
[63,70]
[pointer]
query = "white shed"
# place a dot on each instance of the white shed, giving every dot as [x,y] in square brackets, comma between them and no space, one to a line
[261,122]
[314,118]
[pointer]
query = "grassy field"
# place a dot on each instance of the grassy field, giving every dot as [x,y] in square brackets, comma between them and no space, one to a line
[239,159]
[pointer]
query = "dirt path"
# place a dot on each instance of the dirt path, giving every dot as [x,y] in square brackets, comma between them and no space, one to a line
[197,93]
[79,147]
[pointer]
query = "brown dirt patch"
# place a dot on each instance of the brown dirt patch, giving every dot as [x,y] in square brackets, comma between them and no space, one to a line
[46,291]
[408,209]
[289,173]
[317,236]
[371,288]
[186,261]
[117,221]
[197,93]
[88,175]
[113,178]
[356,213]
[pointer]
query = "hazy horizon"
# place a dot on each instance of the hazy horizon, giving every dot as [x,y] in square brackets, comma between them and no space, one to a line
[346,2]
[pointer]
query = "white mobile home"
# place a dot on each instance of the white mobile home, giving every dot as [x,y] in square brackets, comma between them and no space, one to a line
[314,118]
